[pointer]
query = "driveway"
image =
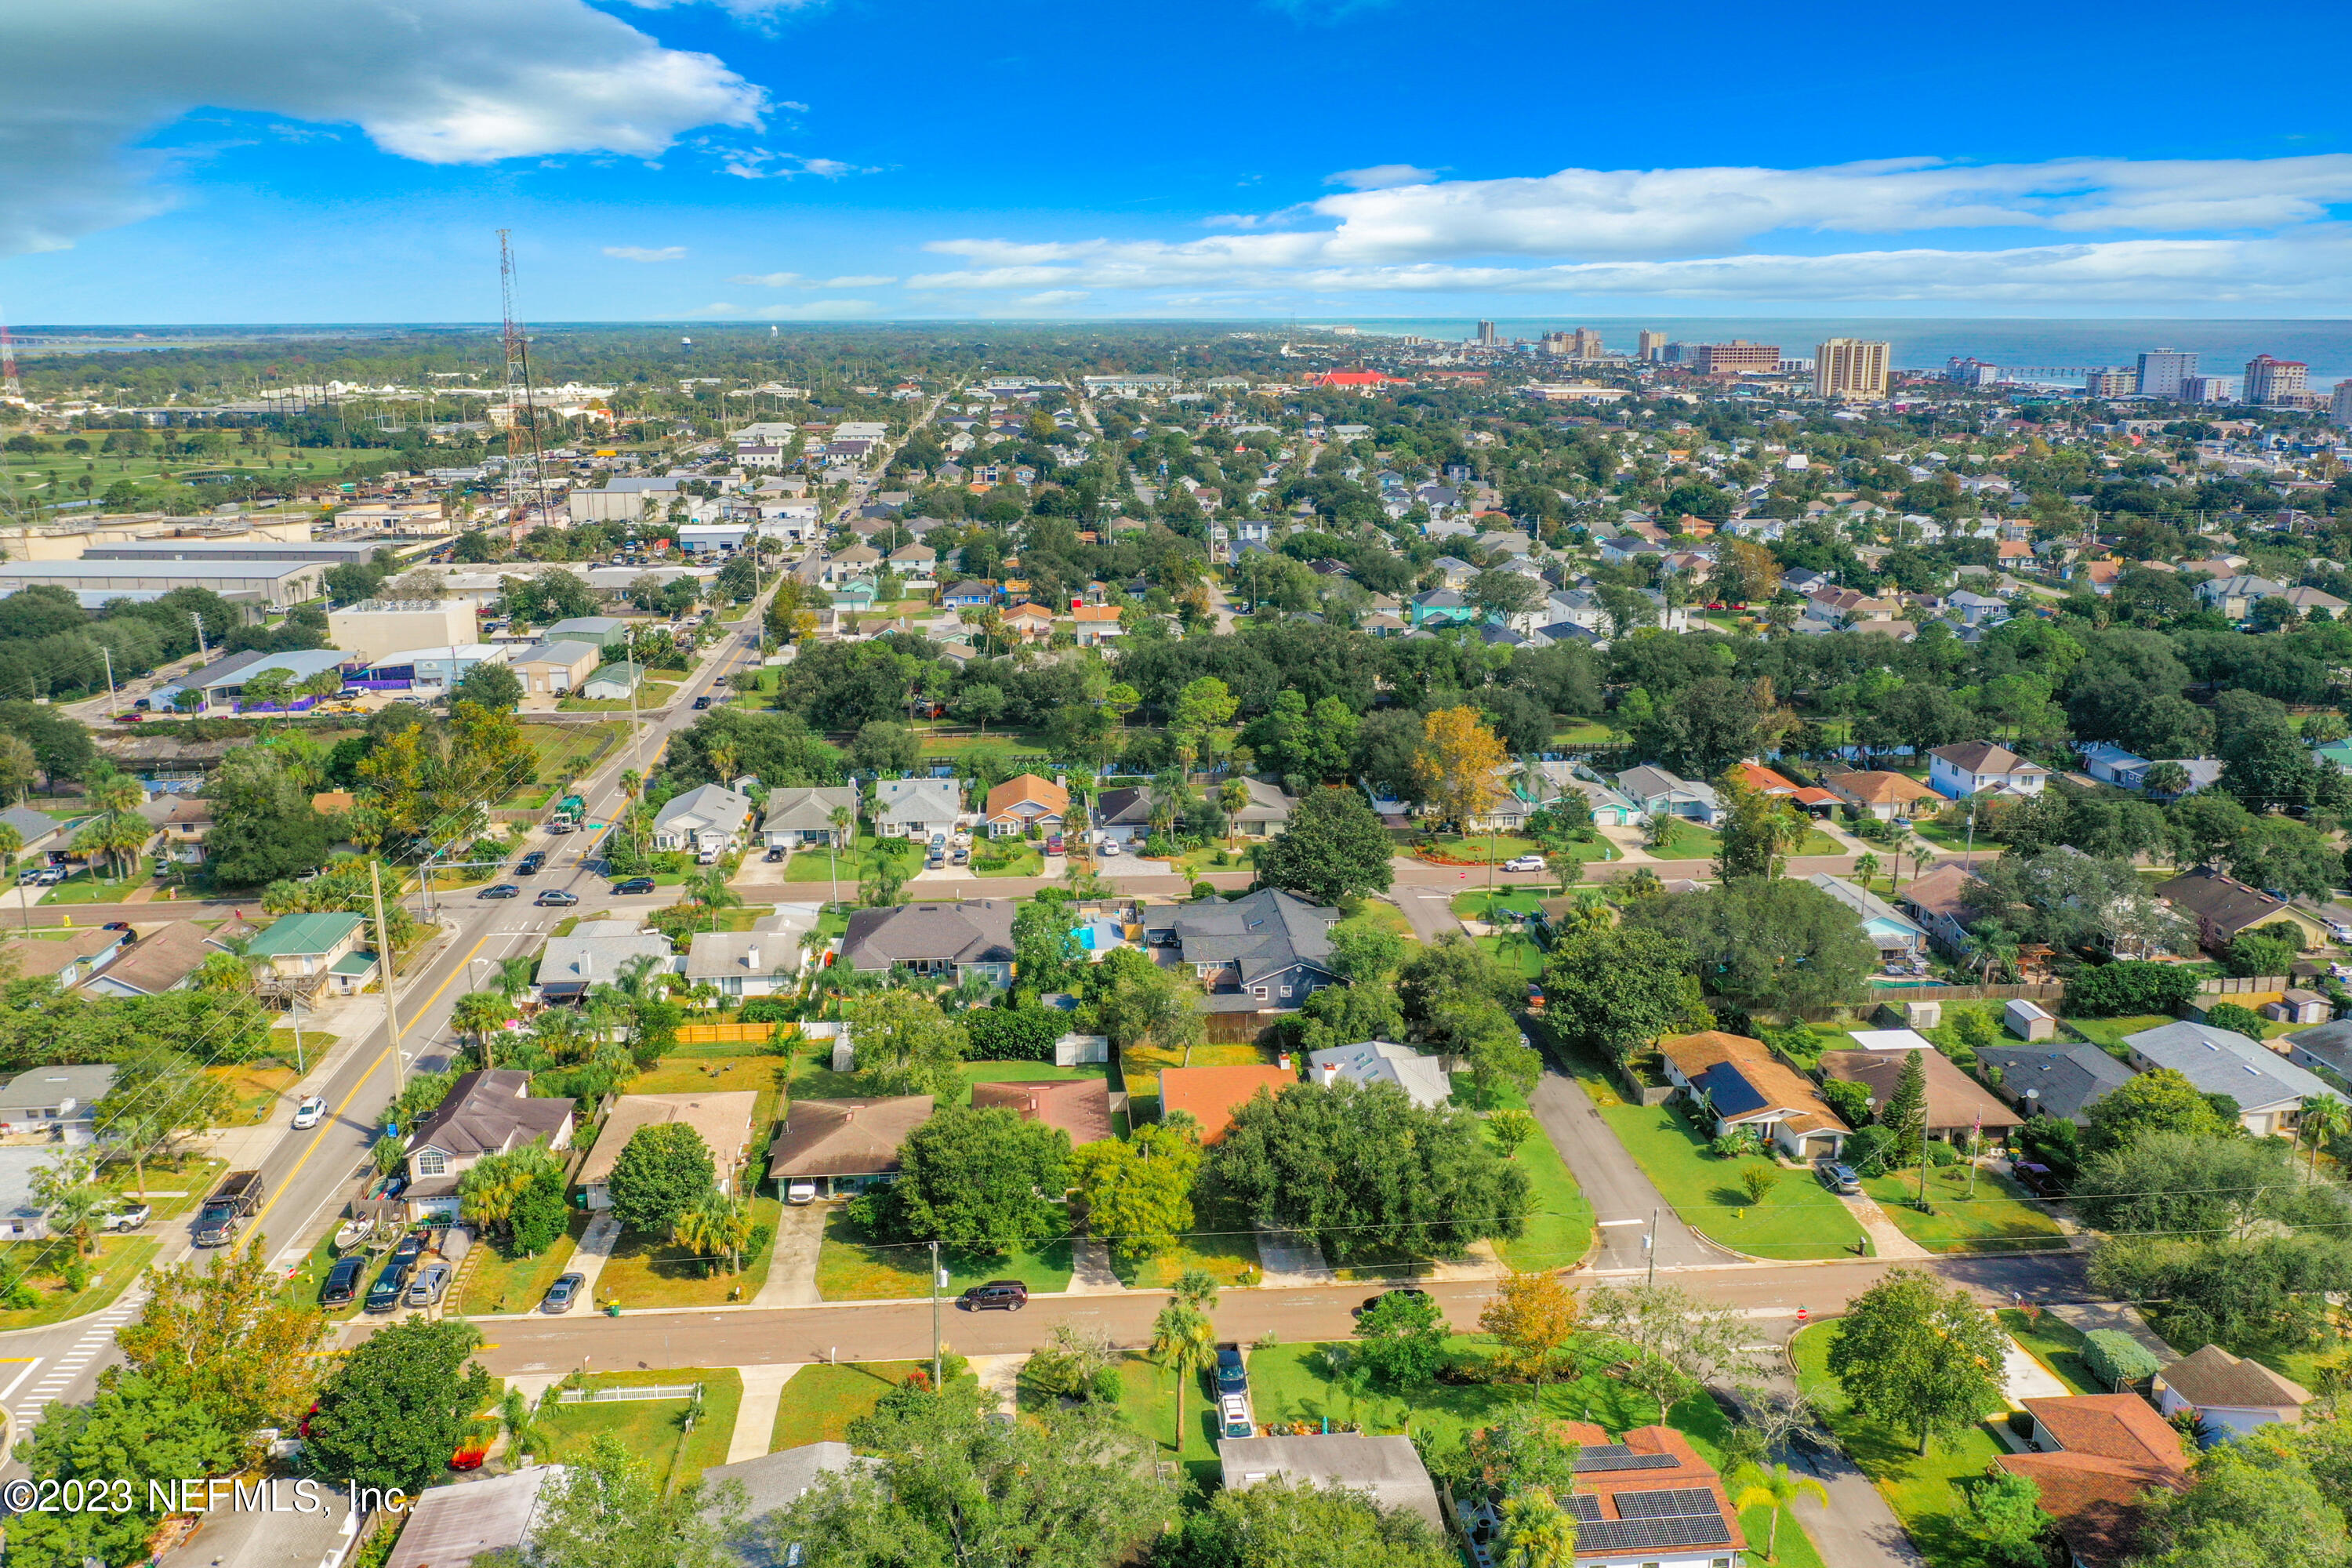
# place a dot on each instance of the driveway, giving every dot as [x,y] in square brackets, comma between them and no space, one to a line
[791,1272]
[1429,911]
[1623,1200]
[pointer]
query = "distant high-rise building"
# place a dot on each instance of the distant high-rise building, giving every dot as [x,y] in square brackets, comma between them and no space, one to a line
[1486,333]
[1553,343]
[1650,345]
[1852,367]
[2339,404]
[1737,356]
[2209,389]
[1971,373]
[1586,344]
[2272,380]
[2111,381]
[2161,372]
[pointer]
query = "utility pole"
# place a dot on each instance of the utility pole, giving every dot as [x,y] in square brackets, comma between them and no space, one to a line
[113,707]
[935,1317]
[1650,1245]
[383,969]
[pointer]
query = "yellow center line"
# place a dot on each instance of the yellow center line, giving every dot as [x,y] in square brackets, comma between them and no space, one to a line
[326,1125]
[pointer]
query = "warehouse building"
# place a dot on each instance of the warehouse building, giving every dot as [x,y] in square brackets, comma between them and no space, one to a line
[275,585]
[354,553]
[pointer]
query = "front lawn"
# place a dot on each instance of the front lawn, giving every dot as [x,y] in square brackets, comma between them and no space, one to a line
[1222,1244]
[651,1429]
[820,1401]
[259,1088]
[1479,848]
[826,865]
[1924,1489]
[1498,905]
[651,695]
[1799,1218]
[1005,857]
[1515,951]
[88,888]
[1688,841]
[850,1268]
[654,1272]
[119,1260]
[1559,1221]
[186,1178]
[2001,1217]
[496,1283]
[2057,1345]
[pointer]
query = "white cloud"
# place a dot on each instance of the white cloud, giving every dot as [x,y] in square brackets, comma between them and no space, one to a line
[440,81]
[794,280]
[770,279]
[2243,229]
[639,253]
[1052,297]
[756,11]
[1381,178]
[856,280]
[759,163]
[818,311]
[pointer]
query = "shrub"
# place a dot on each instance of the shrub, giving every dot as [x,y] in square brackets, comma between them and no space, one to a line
[1759,1180]
[1205,890]
[2116,1359]
[1011,1034]
[2237,1020]
[2128,986]
[766,1010]
[1849,1101]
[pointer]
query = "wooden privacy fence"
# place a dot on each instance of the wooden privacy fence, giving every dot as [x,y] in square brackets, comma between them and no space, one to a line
[2243,984]
[2034,991]
[727,1034]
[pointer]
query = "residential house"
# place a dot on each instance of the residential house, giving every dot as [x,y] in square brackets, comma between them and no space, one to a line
[2110,763]
[307,952]
[1387,1470]
[2097,1457]
[2234,598]
[1557,782]
[69,960]
[1024,802]
[2269,1090]
[770,1483]
[1894,935]
[708,820]
[1078,1106]
[1212,1095]
[1441,607]
[1939,902]
[845,1146]
[556,668]
[1647,1497]
[972,936]
[1890,797]
[2054,1079]
[592,955]
[613,682]
[969,594]
[1093,625]
[1653,790]
[182,823]
[1957,1105]
[1740,1085]
[1423,1078]
[2231,1395]
[803,815]
[486,1112]
[2223,907]
[449,1527]
[1266,813]
[165,959]
[1031,623]
[722,1121]
[44,836]
[1123,816]
[1979,767]
[1266,952]
[916,808]
[2326,1049]
[746,963]
[1807,798]
[56,1103]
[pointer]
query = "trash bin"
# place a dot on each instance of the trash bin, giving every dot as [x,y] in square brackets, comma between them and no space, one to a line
[611,1308]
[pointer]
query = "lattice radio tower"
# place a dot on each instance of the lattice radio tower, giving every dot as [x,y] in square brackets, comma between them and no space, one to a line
[9,386]
[523,410]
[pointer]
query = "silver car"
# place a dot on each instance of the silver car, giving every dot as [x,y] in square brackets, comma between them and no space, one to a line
[426,1287]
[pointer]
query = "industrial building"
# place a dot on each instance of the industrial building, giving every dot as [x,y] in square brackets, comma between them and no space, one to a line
[276,584]
[378,628]
[350,551]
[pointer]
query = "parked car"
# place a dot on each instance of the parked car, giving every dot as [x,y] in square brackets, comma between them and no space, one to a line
[410,1248]
[1232,1378]
[1234,1417]
[1005,1295]
[1838,1178]
[127,1217]
[701,702]
[500,890]
[1056,845]
[1110,847]
[470,1456]
[1523,863]
[343,1280]
[390,1286]
[800,1193]
[959,856]
[311,1112]
[531,863]
[564,1294]
[775,853]
[426,1288]
[1372,1301]
[634,884]
[556,899]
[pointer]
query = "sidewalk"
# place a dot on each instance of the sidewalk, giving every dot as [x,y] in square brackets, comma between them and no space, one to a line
[755,1418]
[595,1249]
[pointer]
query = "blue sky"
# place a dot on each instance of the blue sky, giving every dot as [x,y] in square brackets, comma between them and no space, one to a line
[348,160]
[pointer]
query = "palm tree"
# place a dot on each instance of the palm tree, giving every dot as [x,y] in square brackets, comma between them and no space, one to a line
[2323,1119]
[1776,1488]
[1234,796]
[1535,1532]
[1197,1288]
[845,832]
[515,975]
[480,1015]
[1657,830]
[709,890]
[1182,1341]
[715,1225]
[1865,866]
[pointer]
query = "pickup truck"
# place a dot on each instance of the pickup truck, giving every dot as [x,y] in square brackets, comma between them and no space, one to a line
[235,1201]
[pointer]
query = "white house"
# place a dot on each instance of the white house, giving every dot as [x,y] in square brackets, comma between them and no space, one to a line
[706,819]
[1978,767]
[916,808]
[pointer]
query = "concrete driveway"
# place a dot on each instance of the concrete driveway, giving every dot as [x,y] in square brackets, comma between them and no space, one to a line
[791,1272]
[1429,911]
[1624,1201]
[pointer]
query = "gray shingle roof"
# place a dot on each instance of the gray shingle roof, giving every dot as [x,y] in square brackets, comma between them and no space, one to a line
[972,930]
[807,809]
[2069,1077]
[2221,1062]
[490,1113]
[1264,933]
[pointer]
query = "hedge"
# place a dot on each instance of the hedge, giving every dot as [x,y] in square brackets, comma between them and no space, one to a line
[2129,986]
[2116,1359]
[1012,1035]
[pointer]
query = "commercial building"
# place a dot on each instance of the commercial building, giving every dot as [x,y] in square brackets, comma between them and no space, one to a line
[1649,345]
[1738,357]
[2270,380]
[2209,389]
[431,668]
[1852,367]
[2110,380]
[355,553]
[2162,372]
[276,584]
[378,628]
[2339,403]
[623,500]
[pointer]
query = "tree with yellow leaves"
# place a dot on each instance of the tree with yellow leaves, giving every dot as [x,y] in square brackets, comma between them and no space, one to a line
[1457,763]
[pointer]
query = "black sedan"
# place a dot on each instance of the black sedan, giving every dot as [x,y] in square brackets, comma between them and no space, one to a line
[556,899]
[502,891]
[634,884]
[531,863]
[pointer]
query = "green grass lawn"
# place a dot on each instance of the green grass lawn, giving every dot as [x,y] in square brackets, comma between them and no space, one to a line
[191,1176]
[766,693]
[1016,742]
[1583,733]
[762,1074]
[119,1260]
[560,750]
[87,887]
[849,1268]
[1141,1065]
[1799,1218]
[2108,1034]
[848,865]
[259,1088]
[654,1272]
[2058,1346]
[1023,1072]
[2001,1217]
[1007,857]
[1924,1489]
[820,1402]
[1686,841]
[1481,847]
[651,694]
[1481,905]
[1559,1226]
[497,1283]
[1197,862]
[650,1429]
[1222,1245]
[1522,952]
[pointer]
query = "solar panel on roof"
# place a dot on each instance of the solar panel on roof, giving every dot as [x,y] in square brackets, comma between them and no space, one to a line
[1639,1534]
[1672,1502]
[1583,1508]
[1593,1459]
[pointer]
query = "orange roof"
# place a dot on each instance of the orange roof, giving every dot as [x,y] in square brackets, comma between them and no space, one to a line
[1027,787]
[1874,787]
[2121,1426]
[1028,612]
[1212,1095]
[1095,613]
[1353,378]
[1763,780]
